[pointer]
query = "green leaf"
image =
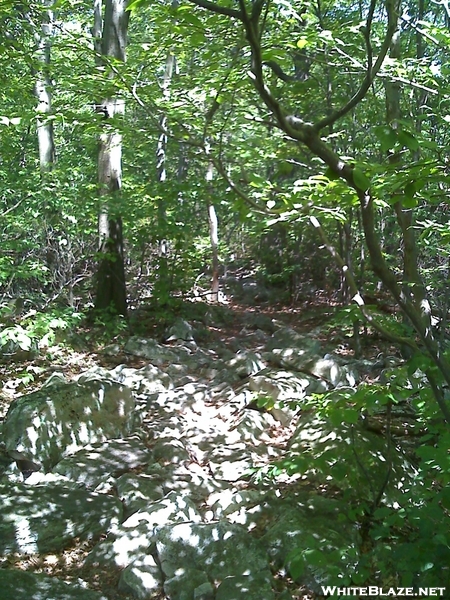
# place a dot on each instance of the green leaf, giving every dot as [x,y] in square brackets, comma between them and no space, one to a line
[407,139]
[410,189]
[302,43]
[409,202]
[361,181]
[388,137]
[136,5]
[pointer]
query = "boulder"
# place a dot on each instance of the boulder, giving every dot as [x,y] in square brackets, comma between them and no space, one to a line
[293,350]
[148,348]
[282,386]
[46,518]
[58,420]
[246,363]
[218,551]
[97,462]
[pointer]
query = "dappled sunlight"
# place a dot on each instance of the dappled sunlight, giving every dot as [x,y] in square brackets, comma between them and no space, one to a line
[205,480]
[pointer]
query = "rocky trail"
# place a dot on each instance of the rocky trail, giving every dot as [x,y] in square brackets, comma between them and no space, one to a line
[152,476]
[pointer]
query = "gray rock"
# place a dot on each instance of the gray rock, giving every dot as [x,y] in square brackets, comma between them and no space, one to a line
[245,587]
[21,585]
[246,363]
[135,536]
[286,337]
[95,373]
[293,350]
[150,349]
[230,462]
[180,330]
[148,380]
[232,502]
[327,369]
[56,421]
[256,427]
[137,491]
[55,379]
[253,320]
[46,518]
[218,550]
[282,386]
[97,462]
[142,578]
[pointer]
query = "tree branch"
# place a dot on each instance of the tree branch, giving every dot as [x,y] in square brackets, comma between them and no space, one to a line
[216,8]
[349,278]
[371,72]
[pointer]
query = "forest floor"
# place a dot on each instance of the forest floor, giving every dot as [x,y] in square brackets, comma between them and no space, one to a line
[26,377]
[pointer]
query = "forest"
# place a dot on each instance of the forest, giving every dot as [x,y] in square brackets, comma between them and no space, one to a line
[243,200]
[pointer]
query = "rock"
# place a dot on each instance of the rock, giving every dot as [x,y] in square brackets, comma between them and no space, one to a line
[233,501]
[230,462]
[55,379]
[218,550]
[256,427]
[46,518]
[150,349]
[134,537]
[111,350]
[282,386]
[293,350]
[245,587]
[327,369]
[21,585]
[246,363]
[181,330]
[138,490]
[96,462]
[253,320]
[56,421]
[142,578]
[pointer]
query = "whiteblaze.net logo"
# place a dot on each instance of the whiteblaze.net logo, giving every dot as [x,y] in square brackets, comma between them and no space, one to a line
[373,590]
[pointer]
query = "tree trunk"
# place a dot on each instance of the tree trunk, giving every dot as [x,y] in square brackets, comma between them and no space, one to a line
[214,238]
[162,286]
[42,90]
[111,288]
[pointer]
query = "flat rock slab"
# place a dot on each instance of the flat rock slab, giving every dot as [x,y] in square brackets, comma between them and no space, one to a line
[97,462]
[39,519]
[20,585]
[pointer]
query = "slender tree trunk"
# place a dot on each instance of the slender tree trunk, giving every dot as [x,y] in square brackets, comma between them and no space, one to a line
[42,90]
[413,287]
[162,286]
[111,288]
[214,237]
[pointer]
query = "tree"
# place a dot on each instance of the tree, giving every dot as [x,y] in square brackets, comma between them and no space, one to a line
[258,21]
[111,289]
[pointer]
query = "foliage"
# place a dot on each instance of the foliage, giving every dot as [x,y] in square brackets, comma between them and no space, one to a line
[38,329]
[226,107]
